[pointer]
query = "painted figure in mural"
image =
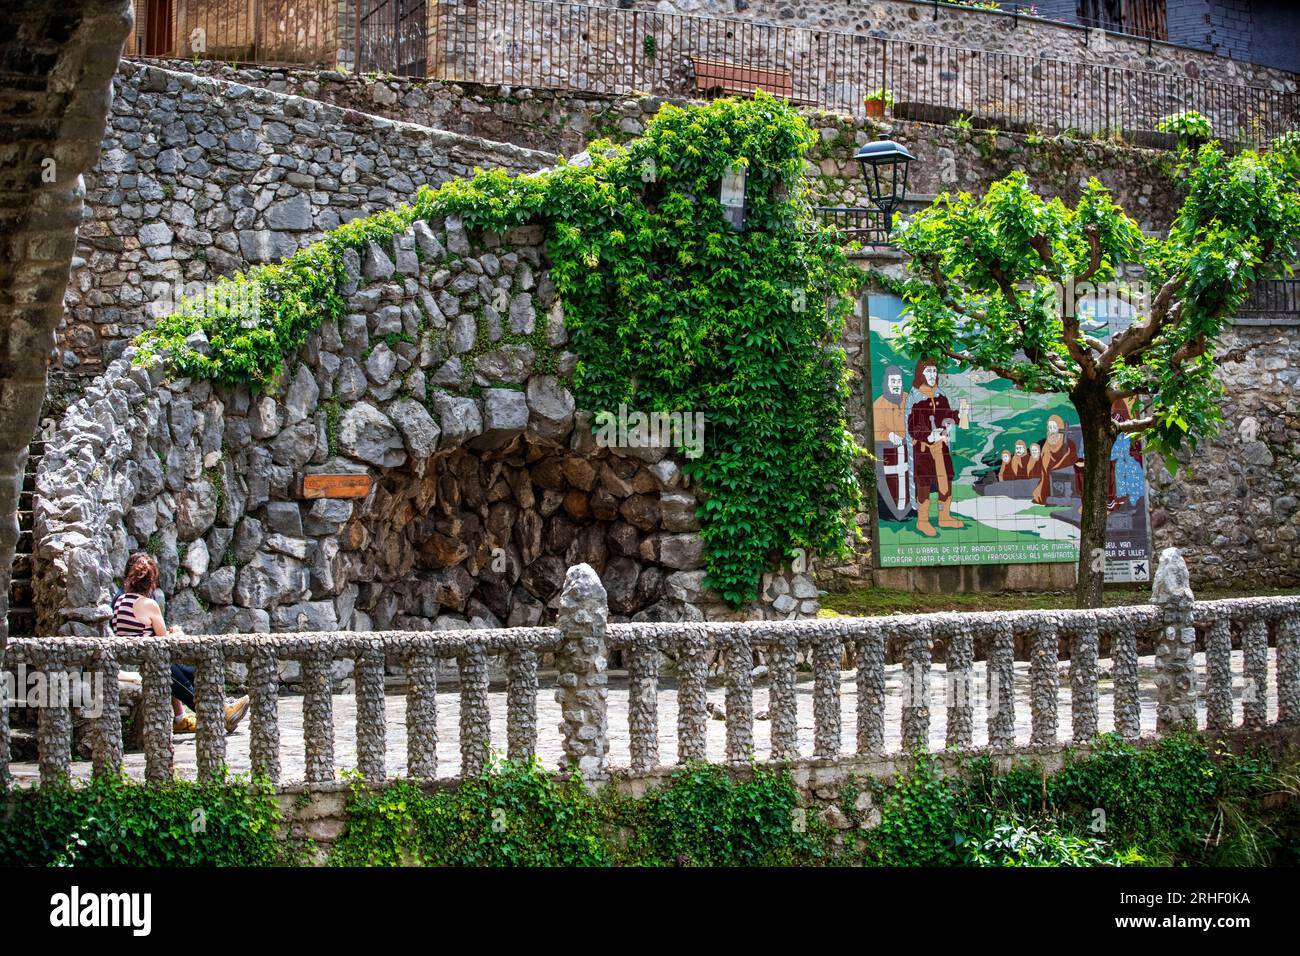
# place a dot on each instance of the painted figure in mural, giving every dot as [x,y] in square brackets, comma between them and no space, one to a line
[1035,467]
[1005,471]
[931,424]
[892,448]
[1058,452]
[1127,481]
[1020,462]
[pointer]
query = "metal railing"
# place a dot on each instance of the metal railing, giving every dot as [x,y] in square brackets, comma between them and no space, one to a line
[858,224]
[613,51]
[607,50]
[1272,300]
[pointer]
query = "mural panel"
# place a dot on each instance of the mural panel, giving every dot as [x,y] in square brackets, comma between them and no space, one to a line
[970,470]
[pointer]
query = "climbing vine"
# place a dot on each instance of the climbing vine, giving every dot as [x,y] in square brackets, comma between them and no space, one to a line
[668,309]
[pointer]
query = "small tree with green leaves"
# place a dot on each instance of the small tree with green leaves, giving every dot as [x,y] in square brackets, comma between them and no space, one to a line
[1001,283]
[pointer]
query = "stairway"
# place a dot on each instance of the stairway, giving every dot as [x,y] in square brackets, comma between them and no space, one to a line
[22,611]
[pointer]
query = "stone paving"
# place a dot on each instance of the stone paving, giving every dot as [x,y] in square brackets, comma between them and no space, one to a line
[549,745]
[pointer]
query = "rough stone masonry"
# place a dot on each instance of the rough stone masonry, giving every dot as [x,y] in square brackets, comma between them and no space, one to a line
[56,64]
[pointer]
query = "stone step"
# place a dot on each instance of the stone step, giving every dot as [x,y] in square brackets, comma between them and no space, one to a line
[25,500]
[24,517]
[29,481]
[24,542]
[22,566]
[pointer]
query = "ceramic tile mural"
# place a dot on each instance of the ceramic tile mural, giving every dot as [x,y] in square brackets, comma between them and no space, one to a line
[970,470]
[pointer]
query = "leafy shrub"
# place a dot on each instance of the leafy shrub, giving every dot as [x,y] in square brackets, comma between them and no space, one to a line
[1187,125]
[518,814]
[919,824]
[704,817]
[515,814]
[113,822]
[667,307]
[1014,844]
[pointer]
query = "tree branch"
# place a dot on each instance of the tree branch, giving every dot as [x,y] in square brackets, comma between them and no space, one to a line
[1136,424]
[1137,337]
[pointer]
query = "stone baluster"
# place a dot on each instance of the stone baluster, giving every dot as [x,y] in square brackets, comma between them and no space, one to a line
[960,668]
[1218,668]
[871,692]
[521,704]
[1254,653]
[54,720]
[1000,673]
[107,753]
[1171,591]
[4,731]
[264,714]
[1043,682]
[782,705]
[827,652]
[692,714]
[1083,679]
[422,714]
[582,664]
[1124,658]
[210,711]
[475,714]
[739,704]
[371,726]
[643,702]
[1288,667]
[157,717]
[318,715]
[916,686]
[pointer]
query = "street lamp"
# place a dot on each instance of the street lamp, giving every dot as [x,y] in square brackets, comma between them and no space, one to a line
[884,167]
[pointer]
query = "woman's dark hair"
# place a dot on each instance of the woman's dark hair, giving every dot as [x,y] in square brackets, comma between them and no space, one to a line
[141,574]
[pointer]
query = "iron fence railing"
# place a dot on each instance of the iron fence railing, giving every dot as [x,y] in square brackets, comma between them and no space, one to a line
[614,51]
[1272,301]
[608,50]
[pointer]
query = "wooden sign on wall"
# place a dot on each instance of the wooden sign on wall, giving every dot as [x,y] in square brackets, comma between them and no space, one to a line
[335,486]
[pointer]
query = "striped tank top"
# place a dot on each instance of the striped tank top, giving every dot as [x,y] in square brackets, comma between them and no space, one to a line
[124,621]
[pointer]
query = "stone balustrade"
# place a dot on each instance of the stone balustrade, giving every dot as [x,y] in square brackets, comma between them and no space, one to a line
[583,640]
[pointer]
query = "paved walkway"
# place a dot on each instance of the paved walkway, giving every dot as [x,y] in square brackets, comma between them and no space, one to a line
[549,748]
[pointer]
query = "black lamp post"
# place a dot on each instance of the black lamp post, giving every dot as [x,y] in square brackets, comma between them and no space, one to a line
[884,167]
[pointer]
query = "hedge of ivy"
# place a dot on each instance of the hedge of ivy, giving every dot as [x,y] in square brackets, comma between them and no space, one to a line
[1177,802]
[668,309]
[112,821]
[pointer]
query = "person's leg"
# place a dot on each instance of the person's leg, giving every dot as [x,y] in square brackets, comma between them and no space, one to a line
[182,686]
[946,519]
[923,525]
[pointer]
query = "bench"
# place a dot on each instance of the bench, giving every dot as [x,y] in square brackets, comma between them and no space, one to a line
[714,77]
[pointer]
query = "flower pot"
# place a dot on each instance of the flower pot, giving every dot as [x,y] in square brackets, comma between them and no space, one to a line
[875,108]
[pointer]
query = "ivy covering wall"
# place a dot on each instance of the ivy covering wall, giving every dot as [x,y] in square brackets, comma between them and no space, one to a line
[668,309]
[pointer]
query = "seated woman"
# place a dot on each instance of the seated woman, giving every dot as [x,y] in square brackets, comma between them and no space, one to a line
[136,613]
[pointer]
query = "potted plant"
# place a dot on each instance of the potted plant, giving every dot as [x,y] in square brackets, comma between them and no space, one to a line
[1189,127]
[877,101]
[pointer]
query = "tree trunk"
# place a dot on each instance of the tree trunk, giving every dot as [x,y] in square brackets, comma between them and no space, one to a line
[1099,433]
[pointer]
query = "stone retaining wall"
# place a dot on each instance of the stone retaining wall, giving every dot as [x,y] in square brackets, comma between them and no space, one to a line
[200,177]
